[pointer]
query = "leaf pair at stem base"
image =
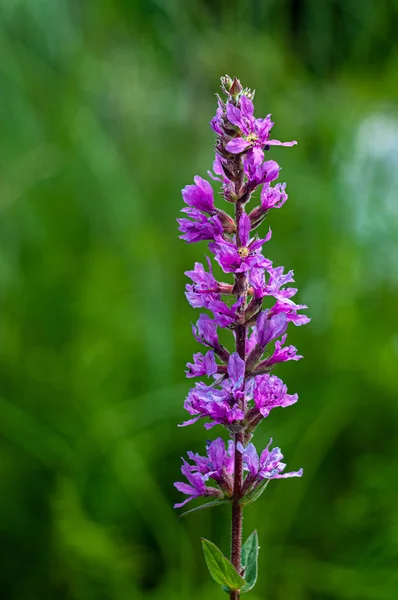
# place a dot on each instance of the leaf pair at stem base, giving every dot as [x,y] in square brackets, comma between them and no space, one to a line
[222,570]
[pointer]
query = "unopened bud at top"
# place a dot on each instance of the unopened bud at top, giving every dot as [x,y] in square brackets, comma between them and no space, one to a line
[231,87]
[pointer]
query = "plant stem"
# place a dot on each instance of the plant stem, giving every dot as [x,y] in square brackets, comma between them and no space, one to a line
[240,340]
[237,510]
[237,514]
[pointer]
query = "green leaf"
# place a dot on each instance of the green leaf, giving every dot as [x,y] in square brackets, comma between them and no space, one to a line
[249,559]
[203,506]
[220,568]
[255,494]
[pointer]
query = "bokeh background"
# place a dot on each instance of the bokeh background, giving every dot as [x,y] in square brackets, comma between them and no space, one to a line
[104,111]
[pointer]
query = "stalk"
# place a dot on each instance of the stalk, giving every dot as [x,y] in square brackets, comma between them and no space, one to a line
[241,285]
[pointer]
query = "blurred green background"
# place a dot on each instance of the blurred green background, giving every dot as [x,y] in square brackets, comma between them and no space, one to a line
[104,118]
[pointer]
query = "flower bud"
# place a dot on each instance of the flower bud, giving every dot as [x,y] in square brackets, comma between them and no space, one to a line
[226,221]
[231,87]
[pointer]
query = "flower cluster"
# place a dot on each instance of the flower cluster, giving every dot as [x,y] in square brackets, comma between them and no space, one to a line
[218,465]
[242,390]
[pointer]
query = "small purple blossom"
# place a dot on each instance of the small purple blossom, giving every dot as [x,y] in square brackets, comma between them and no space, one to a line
[287,306]
[266,466]
[258,174]
[205,287]
[217,121]
[219,406]
[276,279]
[273,197]
[282,353]
[254,132]
[270,392]
[199,227]
[233,259]
[202,365]
[224,316]
[269,328]
[196,486]
[205,331]
[218,465]
[222,406]
[200,195]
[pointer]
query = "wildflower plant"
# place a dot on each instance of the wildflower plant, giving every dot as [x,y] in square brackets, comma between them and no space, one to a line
[243,389]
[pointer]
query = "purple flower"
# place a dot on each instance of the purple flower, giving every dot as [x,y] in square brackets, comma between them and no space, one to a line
[205,288]
[284,305]
[257,281]
[267,466]
[269,328]
[205,331]
[277,278]
[196,487]
[248,256]
[254,132]
[217,465]
[199,227]
[205,401]
[270,392]
[217,121]
[236,371]
[222,406]
[273,197]
[202,365]
[281,354]
[260,173]
[217,405]
[200,195]
[224,315]
[251,340]
[219,462]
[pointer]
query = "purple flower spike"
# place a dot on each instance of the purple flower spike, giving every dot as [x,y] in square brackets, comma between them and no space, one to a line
[255,306]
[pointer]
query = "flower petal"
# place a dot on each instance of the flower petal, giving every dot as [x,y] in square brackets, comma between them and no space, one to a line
[244,229]
[236,368]
[237,145]
[234,115]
